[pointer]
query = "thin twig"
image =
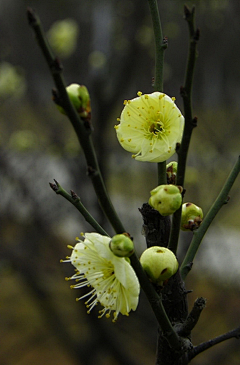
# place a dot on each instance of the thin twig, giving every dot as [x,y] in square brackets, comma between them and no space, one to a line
[160,46]
[75,200]
[190,122]
[206,345]
[82,129]
[200,232]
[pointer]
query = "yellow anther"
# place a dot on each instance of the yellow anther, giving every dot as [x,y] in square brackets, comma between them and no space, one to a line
[139,93]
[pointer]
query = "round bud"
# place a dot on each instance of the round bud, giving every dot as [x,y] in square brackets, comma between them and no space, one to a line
[172,172]
[159,263]
[166,199]
[192,216]
[121,245]
[79,96]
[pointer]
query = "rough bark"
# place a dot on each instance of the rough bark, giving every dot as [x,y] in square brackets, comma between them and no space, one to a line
[156,229]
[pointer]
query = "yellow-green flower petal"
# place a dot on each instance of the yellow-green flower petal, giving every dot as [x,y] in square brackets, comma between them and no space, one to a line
[150,127]
[113,280]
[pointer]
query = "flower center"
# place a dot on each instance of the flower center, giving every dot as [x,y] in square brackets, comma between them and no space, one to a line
[156,128]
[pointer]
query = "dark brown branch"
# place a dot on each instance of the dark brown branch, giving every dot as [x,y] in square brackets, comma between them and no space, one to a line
[156,228]
[208,344]
[193,317]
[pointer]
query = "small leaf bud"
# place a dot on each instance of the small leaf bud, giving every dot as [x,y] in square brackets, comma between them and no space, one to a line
[192,216]
[159,263]
[166,199]
[121,245]
[172,172]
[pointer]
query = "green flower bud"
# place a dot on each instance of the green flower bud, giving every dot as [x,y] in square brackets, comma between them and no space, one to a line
[172,172]
[121,245]
[191,217]
[80,98]
[159,263]
[166,199]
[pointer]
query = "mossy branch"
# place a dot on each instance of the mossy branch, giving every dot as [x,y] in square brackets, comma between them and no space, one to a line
[75,200]
[82,129]
[190,122]
[200,232]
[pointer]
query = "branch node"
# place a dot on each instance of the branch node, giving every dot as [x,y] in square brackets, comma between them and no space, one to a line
[194,122]
[188,14]
[74,196]
[165,43]
[32,20]
[55,187]
[56,66]
[183,92]
[197,35]
[91,171]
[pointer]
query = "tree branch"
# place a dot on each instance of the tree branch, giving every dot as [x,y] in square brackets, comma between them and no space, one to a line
[200,232]
[82,129]
[75,200]
[185,329]
[190,122]
[160,46]
[206,345]
[156,304]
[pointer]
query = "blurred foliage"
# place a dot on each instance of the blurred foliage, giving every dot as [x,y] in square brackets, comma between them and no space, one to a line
[112,54]
[62,37]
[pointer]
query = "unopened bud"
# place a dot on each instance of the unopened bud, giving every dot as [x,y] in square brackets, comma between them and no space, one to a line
[166,199]
[172,172]
[79,96]
[192,216]
[159,263]
[121,245]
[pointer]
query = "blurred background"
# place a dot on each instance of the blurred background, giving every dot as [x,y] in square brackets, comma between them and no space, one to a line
[108,46]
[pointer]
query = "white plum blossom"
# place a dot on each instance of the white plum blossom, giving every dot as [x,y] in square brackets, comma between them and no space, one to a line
[112,279]
[150,127]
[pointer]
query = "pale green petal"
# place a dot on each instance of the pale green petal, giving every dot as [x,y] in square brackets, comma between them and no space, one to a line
[150,127]
[113,280]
